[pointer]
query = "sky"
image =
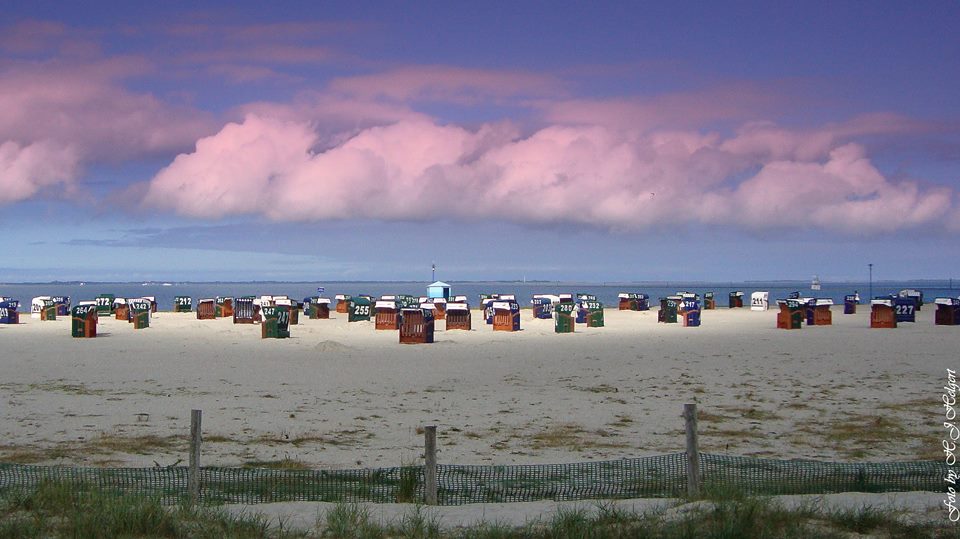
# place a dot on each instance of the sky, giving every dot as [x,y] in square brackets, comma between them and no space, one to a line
[598,141]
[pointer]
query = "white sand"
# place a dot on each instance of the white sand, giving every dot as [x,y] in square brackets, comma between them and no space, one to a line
[341,394]
[345,395]
[913,507]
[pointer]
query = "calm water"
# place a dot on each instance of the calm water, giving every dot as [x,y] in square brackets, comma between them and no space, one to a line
[605,292]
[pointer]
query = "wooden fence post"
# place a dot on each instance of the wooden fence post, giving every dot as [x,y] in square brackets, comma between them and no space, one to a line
[193,473]
[693,450]
[430,465]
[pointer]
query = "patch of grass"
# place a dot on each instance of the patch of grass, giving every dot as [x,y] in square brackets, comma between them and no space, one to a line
[141,445]
[862,520]
[915,405]
[710,417]
[751,412]
[867,429]
[62,387]
[285,463]
[602,388]
[351,521]
[742,434]
[23,455]
[105,444]
[572,436]
[347,437]
[409,479]
[76,510]
[417,524]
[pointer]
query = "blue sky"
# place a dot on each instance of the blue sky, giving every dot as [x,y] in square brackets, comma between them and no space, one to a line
[551,140]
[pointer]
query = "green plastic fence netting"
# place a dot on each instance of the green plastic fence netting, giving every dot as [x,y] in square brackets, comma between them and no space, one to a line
[643,477]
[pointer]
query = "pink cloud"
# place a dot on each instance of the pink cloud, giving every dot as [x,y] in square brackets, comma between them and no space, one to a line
[31,36]
[85,106]
[247,73]
[766,140]
[447,83]
[593,175]
[335,118]
[260,53]
[278,31]
[56,116]
[693,109]
[26,170]
[845,193]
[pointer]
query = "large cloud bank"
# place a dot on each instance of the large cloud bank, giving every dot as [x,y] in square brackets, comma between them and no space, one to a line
[57,117]
[760,177]
[26,170]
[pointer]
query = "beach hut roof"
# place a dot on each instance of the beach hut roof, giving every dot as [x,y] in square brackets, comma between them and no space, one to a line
[440,284]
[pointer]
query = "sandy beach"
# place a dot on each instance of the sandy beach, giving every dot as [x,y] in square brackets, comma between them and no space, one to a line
[343,395]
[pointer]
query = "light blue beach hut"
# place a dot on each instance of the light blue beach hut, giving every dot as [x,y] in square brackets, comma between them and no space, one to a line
[438,289]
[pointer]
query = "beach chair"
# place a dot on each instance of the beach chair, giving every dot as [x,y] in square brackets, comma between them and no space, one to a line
[689,312]
[319,308]
[359,310]
[486,306]
[759,301]
[8,312]
[668,309]
[581,312]
[905,308]
[790,315]
[206,309]
[343,303]
[48,310]
[276,322]
[224,307]
[458,316]
[63,305]
[709,302]
[822,316]
[882,314]
[736,300]
[506,316]
[808,308]
[915,295]
[36,306]
[139,310]
[439,308]
[850,303]
[293,309]
[84,320]
[948,312]
[417,325]
[563,321]
[105,304]
[386,315]
[182,304]
[542,306]
[121,311]
[593,316]
[243,311]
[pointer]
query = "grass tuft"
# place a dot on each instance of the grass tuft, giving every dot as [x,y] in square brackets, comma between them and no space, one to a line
[60,510]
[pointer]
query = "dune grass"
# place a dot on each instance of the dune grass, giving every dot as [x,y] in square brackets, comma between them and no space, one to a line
[60,510]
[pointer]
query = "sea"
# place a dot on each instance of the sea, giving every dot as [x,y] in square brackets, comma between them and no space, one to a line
[524,290]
